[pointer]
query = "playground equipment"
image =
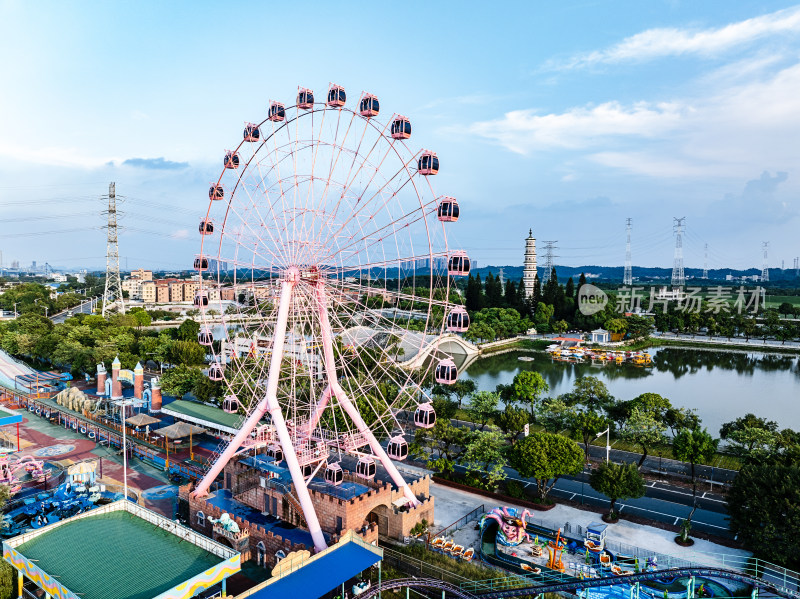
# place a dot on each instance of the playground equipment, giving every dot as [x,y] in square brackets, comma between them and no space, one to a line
[556,548]
[10,465]
[317,211]
[511,525]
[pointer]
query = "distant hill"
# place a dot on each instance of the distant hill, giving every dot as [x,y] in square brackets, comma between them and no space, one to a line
[613,274]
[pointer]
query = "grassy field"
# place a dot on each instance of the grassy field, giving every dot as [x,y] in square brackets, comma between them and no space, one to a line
[773,301]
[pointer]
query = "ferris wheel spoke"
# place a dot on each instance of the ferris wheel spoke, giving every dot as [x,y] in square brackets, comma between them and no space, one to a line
[357,211]
[405,220]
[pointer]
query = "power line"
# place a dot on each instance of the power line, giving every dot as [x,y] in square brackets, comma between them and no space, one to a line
[549,246]
[627,277]
[678,277]
[112,296]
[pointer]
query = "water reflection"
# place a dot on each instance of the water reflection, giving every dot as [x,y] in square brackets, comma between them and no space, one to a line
[721,385]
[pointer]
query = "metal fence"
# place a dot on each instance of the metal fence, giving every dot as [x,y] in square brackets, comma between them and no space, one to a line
[757,568]
[463,521]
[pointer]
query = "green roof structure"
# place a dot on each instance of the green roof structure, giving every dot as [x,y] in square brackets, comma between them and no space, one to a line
[120,551]
[206,416]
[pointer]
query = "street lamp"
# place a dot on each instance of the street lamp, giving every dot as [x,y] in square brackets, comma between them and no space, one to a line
[607,433]
[15,309]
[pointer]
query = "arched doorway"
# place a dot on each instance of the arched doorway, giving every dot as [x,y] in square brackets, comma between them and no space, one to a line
[380,516]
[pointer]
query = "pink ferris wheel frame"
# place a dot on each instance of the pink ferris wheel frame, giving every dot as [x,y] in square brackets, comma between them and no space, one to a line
[308,245]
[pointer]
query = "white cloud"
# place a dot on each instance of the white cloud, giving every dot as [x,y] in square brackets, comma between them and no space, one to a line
[522,131]
[661,42]
[180,234]
[52,156]
[730,130]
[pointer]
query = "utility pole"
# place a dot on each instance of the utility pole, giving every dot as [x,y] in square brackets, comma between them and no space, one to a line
[765,264]
[549,246]
[678,277]
[627,278]
[705,263]
[112,296]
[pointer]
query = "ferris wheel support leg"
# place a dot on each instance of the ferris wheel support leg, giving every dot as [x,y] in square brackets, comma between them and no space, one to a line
[347,405]
[270,404]
[323,402]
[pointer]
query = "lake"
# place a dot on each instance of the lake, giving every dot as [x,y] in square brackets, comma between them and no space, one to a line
[720,385]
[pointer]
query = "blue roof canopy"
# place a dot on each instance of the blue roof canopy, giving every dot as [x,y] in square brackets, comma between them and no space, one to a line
[322,573]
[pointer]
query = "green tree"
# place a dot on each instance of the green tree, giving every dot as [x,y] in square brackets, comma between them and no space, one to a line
[639,327]
[617,481]
[749,434]
[449,441]
[543,314]
[695,446]
[560,326]
[764,509]
[645,429]
[187,352]
[188,330]
[482,407]
[461,388]
[205,390]
[527,389]
[546,457]
[484,459]
[591,392]
[512,421]
[681,418]
[616,325]
[142,317]
[180,380]
[587,424]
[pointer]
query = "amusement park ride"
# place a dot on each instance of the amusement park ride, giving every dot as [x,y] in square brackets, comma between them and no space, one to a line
[11,466]
[324,221]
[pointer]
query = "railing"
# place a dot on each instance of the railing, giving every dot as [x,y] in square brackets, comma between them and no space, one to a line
[463,520]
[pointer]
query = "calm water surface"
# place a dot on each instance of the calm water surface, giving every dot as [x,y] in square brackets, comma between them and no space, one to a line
[720,385]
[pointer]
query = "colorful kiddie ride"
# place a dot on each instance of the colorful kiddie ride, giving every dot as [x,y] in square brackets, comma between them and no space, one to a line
[595,539]
[556,548]
[511,525]
[10,466]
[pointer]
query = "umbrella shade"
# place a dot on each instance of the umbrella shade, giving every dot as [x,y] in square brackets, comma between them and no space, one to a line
[179,430]
[141,420]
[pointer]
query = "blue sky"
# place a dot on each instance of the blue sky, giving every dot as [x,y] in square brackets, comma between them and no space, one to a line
[563,117]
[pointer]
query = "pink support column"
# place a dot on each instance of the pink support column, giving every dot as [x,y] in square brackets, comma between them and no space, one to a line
[116,384]
[344,400]
[270,404]
[155,395]
[138,381]
[101,379]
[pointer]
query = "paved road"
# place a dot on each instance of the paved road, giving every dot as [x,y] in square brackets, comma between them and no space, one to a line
[83,308]
[662,502]
[756,344]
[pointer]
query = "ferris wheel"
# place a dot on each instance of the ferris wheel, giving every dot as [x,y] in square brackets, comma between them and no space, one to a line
[325,239]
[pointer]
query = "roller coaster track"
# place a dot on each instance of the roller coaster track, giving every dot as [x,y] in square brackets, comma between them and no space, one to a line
[424,583]
[575,584]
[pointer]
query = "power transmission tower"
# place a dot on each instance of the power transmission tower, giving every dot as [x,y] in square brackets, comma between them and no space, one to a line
[765,263]
[549,246]
[502,278]
[112,297]
[705,263]
[797,267]
[678,278]
[627,278]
